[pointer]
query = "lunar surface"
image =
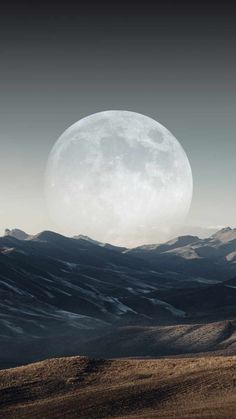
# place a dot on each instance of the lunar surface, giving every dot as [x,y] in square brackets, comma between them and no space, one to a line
[118,177]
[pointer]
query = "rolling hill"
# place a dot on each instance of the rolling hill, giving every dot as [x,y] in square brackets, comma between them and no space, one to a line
[86,388]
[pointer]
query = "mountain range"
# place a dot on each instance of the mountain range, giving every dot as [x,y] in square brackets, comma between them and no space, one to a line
[65,296]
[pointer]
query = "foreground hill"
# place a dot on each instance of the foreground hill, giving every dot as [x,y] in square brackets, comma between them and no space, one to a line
[80,387]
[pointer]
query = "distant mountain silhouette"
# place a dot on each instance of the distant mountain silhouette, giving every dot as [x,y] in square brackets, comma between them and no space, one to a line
[210,258]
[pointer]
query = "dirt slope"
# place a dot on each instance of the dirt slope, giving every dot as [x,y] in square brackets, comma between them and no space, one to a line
[79,387]
[155,341]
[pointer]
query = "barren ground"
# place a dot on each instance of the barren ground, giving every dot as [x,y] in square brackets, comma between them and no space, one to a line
[78,387]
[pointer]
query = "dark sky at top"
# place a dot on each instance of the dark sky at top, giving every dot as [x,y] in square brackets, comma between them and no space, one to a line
[175,63]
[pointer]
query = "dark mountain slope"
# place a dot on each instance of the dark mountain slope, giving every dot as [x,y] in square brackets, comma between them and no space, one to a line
[156,341]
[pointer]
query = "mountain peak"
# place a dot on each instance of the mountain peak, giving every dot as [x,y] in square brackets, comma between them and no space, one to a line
[174,243]
[16,233]
[47,235]
[226,229]
[225,234]
[183,240]
[87,238]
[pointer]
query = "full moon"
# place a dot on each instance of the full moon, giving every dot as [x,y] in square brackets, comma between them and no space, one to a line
[118,177]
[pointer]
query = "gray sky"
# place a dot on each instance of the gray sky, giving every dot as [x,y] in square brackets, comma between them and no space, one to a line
[178,68]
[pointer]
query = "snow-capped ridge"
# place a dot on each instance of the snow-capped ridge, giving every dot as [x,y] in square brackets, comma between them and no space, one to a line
[224,235]
[16,233]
